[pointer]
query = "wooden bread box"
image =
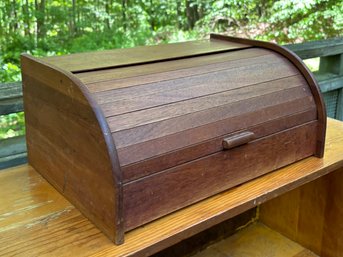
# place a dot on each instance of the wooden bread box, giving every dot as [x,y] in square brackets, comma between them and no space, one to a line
[131,135]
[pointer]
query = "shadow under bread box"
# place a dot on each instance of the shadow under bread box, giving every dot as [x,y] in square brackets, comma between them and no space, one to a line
[131,135]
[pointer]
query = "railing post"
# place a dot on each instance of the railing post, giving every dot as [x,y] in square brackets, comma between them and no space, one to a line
[334,64]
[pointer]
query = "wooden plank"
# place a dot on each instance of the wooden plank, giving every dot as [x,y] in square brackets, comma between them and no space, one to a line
[159,194]
[206,133]
[181,89]
[98,81]
[48,135]
[12,145]
[148,73]
[10,90]
[11,98]
[160,113]
[329,81]
[339,111]
[195,119]
[317,48]
[332,63]
[310,215]
[135,87]
[138,55]
[64,231]
[230,80]
[12,151]
[63,127]
[186,154]
[256,240]
[202,240]
[231,123]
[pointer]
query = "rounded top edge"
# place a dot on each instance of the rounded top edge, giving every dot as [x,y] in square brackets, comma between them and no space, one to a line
[307,74]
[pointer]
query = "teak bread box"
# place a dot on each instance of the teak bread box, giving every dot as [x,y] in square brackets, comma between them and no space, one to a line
[130,135]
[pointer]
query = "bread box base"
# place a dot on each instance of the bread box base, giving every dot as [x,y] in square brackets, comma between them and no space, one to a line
[131,135]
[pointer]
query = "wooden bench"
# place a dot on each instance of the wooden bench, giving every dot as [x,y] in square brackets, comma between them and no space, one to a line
[35,220]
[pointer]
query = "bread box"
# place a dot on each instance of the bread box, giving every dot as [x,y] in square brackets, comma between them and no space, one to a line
[130,135]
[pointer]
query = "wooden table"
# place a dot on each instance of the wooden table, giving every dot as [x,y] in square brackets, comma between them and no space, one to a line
[35,220]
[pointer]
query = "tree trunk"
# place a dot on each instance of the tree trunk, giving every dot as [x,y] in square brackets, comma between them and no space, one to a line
[124,6]
[191,13]
[40,19]
[15,15]
[178,14]
[108,5]
[26,15]
[73,28]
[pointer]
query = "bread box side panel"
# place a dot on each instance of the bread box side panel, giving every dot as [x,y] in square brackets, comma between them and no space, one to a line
[68,145]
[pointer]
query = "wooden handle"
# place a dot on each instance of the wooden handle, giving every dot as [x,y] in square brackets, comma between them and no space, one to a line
[238,139]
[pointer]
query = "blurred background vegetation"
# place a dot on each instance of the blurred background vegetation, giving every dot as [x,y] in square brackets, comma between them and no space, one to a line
[55,27]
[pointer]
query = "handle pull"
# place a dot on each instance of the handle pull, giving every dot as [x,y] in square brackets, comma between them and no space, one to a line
[238,139]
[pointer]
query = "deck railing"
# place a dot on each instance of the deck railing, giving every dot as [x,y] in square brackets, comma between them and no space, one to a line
[329,76]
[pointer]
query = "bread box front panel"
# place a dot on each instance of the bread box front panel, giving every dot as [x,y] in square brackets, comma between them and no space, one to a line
[168,125]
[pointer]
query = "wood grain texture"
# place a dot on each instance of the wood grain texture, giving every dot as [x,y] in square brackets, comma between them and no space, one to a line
[196,105]
[305,72]
[238,139]
[154,196]
[257,240]
[158,83]
[230,122]
[123,57]
[40,230]
[158,116]
[205,89]
[311,215]
[189,87]
[108,79]
[231,108]
[186,154]
[67,144]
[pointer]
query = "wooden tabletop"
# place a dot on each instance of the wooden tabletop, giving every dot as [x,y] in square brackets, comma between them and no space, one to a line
[35,220]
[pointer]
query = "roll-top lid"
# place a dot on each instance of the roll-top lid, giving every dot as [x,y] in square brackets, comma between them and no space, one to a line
[170,104]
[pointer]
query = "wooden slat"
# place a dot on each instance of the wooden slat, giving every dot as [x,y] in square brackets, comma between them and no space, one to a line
[311,215]
[52,146]
[160,113]
[12,151]
[285,108]
[123,57]
[63,127]
[329,81]
[11,98]
[47,224]
[170,159]
[228,109]
[97,81]
[296,61]
[182,89]
[154,196]
[136,87]
[259,111]
[256,240]
[318,48]
[105,80]
[231,79]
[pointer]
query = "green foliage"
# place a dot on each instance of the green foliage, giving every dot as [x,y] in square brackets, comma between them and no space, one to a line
[43,27]
[294,21]
[12,125]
